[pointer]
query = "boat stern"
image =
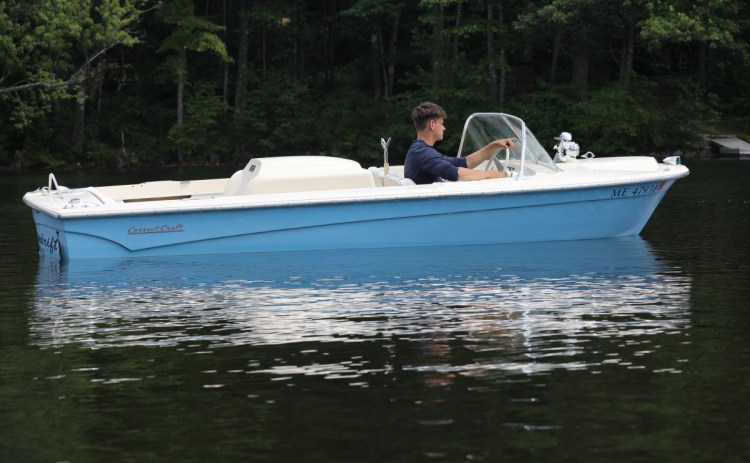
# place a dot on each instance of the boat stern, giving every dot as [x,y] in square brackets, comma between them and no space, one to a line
[50,235]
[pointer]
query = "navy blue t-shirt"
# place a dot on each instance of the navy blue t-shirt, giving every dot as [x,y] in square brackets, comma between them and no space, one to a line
[424,164]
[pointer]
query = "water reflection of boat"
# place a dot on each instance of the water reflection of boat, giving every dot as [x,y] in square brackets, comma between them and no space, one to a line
[510,297]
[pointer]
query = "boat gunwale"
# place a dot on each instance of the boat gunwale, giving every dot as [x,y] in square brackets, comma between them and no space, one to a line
[403,193]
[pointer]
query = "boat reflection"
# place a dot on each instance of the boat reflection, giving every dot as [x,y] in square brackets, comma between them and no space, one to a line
[529,301]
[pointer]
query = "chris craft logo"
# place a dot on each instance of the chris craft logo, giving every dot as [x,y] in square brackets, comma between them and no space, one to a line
[50,243]
[157,229]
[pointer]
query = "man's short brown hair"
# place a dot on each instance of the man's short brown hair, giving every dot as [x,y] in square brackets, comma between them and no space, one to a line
[425,112]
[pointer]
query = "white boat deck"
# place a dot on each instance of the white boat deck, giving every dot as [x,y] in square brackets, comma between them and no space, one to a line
[217,194]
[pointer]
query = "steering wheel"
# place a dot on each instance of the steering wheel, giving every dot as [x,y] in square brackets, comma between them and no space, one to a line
[493,160]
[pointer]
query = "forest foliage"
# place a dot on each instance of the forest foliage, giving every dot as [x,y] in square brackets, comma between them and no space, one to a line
[144,82]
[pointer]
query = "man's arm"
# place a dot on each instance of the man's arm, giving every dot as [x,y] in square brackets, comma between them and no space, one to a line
[481,155]
[471,174]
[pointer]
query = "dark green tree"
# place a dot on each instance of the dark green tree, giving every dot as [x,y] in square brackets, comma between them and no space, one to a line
[189,32]
[704,25]
[50,50]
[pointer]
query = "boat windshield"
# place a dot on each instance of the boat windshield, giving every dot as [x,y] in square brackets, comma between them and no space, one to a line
[482,128]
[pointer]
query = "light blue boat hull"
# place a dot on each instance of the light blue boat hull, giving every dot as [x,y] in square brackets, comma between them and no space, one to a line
[563,214]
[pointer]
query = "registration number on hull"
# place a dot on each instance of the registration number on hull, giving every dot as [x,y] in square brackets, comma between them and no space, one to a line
[639,190]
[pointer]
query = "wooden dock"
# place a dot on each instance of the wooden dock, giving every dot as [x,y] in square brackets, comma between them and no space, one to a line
[731,147]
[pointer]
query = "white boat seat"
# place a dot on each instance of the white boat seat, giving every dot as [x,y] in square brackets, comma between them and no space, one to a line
[377,175]
[392,179]
[237,183]
[298,173]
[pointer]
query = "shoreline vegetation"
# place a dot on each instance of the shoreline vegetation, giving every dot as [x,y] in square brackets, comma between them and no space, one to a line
[143,83]
[706,153]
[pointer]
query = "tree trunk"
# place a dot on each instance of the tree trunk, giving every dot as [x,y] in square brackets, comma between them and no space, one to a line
[523,73]
[503,64]
[95,89]
[331,55]
[79,125]
[503,79]
[225,63]
[555,56]
[376,56]
[241,84]
[437,45]
[299,48]
[383,64]
[263,53]
[527,55]
[628,50]
[702,63]
[491,67]
[454,58]
[181,99]
[580,75]
[121,82]
[122,157]
[391,69]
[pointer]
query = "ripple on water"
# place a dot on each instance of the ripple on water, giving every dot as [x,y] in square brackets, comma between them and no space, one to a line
[532,317]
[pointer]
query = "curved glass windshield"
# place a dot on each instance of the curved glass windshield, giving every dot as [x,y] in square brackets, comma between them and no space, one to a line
[482,128]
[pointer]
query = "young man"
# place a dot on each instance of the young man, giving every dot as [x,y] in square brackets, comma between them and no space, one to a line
[424,164]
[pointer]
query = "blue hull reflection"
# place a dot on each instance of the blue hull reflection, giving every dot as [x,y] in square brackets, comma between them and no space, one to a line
[532,299]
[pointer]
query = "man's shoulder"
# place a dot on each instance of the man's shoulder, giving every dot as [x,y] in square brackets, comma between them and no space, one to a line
[417,146]
[421,148]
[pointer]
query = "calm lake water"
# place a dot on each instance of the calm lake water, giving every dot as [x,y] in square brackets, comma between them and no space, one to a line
[617,350]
